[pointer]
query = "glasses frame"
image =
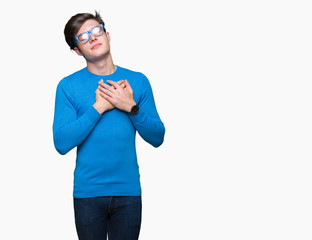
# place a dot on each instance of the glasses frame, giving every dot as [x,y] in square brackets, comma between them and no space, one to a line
[88,32]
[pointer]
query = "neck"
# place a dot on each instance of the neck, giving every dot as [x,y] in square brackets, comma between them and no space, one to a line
[104,66]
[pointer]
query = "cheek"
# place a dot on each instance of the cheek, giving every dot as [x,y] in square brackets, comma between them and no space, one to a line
[105,45]
[105,39]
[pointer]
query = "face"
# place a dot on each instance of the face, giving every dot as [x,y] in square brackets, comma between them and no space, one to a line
[97,47]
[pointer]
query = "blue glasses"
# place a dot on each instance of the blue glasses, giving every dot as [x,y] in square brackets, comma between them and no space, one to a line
[84,37]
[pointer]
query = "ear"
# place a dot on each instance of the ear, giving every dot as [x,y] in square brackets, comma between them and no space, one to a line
[77,51]
[108,36]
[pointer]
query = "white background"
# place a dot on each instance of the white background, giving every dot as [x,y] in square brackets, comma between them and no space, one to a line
[232,83]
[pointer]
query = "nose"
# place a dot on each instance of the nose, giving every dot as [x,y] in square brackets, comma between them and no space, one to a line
[91,37]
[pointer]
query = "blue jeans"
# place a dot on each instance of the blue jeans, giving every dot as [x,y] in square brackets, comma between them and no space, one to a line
[119,217]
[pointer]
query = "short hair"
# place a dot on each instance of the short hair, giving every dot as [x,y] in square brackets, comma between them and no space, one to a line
[74,24]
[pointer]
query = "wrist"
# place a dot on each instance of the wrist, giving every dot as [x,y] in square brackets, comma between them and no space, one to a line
[100,108]
[130,106]
[134,110]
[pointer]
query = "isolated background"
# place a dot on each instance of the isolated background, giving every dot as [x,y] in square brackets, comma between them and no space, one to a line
[232,83]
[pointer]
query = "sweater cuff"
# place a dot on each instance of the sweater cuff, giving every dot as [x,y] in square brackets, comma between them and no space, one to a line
[137,118]
[93,115]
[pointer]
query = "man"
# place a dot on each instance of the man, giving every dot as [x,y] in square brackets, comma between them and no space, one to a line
[99,109]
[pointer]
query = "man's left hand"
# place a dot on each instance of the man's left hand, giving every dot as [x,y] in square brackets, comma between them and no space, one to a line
[121,98]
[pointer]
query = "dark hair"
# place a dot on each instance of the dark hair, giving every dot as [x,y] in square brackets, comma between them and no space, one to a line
[74,24]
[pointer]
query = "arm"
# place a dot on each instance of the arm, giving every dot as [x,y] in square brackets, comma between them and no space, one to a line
[147,121]
[68,130]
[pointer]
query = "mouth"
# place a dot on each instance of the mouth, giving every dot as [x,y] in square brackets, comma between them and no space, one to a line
[96,46]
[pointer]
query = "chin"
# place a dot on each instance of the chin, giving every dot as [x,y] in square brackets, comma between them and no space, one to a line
[99,56]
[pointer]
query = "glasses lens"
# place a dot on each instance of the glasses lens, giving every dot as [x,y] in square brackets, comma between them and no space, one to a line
[97,31]
[83,38]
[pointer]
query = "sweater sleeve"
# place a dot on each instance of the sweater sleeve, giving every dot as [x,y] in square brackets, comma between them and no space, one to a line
[147,121]
[68,130]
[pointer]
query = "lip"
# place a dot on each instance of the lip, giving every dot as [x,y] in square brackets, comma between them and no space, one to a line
[96,46]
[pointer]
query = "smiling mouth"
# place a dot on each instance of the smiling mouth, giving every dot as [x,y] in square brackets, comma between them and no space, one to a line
[96,46]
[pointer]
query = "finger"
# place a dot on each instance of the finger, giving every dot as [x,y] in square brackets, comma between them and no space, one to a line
[101,82]
[128,86]
[106,86]
[114,84]
[105,91]
[106,97]
[120,82]
[97,92]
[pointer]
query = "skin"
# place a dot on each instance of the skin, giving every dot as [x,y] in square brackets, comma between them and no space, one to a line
[99,61]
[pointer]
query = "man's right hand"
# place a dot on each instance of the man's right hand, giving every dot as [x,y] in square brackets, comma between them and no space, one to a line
[101,104]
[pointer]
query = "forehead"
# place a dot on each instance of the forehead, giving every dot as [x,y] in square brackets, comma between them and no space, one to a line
[87,25]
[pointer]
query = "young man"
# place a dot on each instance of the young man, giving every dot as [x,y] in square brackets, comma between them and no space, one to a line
[99,109]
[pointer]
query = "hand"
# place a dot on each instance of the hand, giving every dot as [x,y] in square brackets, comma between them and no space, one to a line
[101,104]
[120,97]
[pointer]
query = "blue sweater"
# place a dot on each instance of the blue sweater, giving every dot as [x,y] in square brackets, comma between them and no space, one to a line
[106,163]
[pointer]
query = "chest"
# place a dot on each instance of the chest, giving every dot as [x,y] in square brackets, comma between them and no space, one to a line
[84,95]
